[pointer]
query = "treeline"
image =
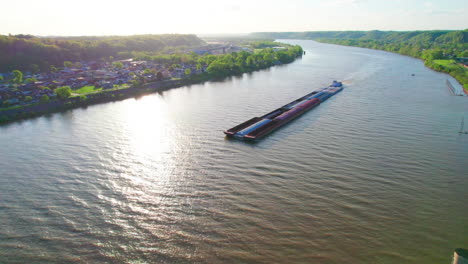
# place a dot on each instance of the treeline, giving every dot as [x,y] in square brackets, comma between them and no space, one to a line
[232,63]
[236,63]
[29,53]
[427,45]
[453,43]
[416,37]
[288,54]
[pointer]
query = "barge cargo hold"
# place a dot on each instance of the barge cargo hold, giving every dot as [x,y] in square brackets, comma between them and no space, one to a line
[258,127]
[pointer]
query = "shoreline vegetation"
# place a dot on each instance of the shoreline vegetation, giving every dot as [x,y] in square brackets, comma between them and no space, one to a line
[441,50]
[77,84]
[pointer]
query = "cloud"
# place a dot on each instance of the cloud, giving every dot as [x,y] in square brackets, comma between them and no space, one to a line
[234,8]
[431,9]
[429,5]
[335,3]
[443,12]
[345,2]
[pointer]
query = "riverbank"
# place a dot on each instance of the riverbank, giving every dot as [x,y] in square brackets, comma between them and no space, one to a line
[459,73]
[35,110]
[456,71]
[149,74]
[10,115]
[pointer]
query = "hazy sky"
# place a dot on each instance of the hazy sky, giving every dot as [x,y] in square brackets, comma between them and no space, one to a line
[125,17]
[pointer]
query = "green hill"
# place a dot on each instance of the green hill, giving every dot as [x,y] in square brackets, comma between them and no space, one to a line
[26,52]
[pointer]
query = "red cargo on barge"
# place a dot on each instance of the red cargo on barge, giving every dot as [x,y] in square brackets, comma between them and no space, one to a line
[258,127]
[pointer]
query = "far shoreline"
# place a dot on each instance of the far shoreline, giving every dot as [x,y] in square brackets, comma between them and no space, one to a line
[427,64]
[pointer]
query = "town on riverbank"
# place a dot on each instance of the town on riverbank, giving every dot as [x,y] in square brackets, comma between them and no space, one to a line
[79,83]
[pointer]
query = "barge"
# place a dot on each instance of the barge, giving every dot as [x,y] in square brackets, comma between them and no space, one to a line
[258,127]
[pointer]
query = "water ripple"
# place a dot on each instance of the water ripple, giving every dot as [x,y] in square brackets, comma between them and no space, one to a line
[367,177]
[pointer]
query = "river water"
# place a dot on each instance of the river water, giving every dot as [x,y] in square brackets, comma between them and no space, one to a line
[376,174]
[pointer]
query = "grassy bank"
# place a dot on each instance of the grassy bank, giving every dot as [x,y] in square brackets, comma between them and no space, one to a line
[457,70]
[432,58]
[87,89]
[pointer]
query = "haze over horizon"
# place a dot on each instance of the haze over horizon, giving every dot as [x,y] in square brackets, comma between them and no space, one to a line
[59,18]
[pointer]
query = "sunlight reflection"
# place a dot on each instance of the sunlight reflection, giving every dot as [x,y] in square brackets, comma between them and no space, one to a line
[154,155]
[150,136]
[154,163]
[149,126]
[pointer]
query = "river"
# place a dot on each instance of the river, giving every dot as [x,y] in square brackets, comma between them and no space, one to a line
[376,174]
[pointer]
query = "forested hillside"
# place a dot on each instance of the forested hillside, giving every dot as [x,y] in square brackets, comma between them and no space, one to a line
[29,53]
[426,39]
[438,48]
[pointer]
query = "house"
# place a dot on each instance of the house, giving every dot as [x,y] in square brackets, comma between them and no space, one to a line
[38,84]
[5,93]
[166,74]
[107,85]
[125,62]
[463,61]
[12,101]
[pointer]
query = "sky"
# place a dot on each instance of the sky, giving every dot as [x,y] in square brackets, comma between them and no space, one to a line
[129,17]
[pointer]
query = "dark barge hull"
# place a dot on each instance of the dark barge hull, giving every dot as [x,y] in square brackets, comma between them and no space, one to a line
[259,127]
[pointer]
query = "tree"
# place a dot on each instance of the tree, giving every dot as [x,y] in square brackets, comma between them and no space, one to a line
[432,54]
[30,80]
[44,98]
[188,72]
[250,61]
[219,68]
[136,83]
[268,58]
[28,99]
[118,65]
[63,92]
[1,77]
[53,68]
[78,65]
[283,57]
[17,76]
[463,54]
[174,66]
[67,64]
[159,76]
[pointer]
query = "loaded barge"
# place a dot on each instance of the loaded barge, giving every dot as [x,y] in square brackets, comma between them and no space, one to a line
[258,127]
